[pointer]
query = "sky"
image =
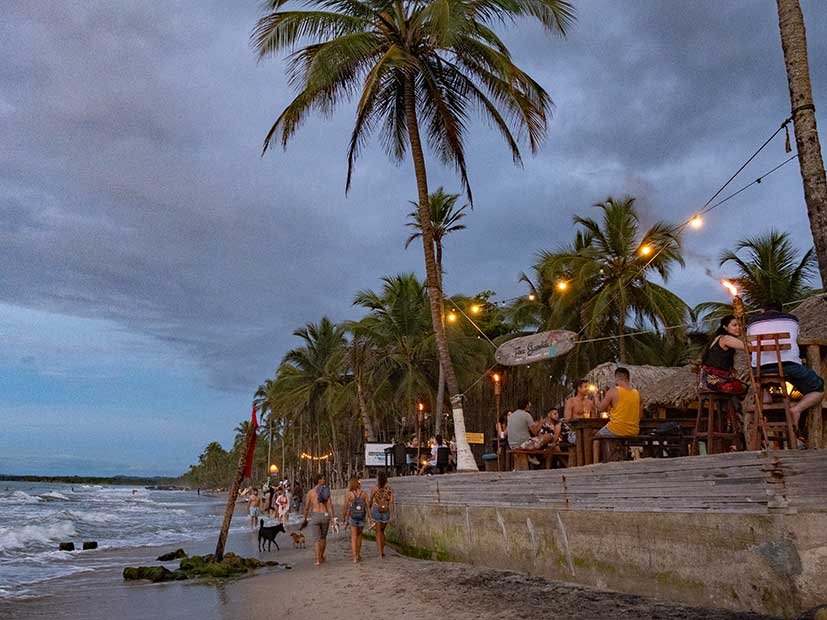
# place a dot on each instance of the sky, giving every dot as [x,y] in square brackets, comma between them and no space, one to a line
[153,265]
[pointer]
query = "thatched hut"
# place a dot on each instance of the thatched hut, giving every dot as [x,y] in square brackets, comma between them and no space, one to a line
[666,391]
[812,339]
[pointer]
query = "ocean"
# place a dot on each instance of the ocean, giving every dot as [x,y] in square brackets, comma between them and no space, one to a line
[35,517]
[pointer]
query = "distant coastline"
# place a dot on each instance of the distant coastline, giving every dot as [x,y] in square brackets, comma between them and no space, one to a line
[121,480]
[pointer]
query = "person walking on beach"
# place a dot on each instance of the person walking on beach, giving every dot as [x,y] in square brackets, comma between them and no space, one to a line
[253,503]
[381,504]
[320,510]
[354,515]
[282,505]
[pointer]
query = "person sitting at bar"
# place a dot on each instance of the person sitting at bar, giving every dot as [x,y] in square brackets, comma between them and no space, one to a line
[625,411]
[772,320]
[581,404]
[717,371]
[430,464]
[524,432]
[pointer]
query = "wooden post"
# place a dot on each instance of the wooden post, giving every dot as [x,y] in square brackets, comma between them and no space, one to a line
[815,422]
[233,495]
[751,436]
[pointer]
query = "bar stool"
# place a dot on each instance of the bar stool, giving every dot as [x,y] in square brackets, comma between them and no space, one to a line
[776,433]
[717,410]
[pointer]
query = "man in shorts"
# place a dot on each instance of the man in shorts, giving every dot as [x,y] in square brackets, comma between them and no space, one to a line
[772,320]
[253,503]
[319,508]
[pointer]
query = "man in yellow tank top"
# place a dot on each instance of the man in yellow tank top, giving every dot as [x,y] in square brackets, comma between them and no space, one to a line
[625,410]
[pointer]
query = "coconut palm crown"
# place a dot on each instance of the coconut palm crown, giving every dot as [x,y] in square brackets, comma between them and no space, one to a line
[443,56]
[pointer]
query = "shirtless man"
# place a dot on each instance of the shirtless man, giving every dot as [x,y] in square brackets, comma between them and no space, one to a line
[581,403]
[319,508]
[253,508]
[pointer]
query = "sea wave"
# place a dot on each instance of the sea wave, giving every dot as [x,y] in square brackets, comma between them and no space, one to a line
[21,536]
[54,495]
[20,497]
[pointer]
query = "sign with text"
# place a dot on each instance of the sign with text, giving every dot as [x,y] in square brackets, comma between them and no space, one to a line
[375,454]
[535,348]
[475,437]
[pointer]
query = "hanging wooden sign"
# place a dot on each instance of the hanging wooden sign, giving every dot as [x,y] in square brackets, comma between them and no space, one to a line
[535,348]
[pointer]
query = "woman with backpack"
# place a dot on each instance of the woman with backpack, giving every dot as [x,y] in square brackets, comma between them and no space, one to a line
[355,515]
[381,503]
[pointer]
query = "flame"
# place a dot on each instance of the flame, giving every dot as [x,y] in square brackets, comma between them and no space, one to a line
[730,287]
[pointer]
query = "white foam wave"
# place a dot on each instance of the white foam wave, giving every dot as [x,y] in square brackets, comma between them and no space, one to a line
[23,536]
[54,495]
[19,497]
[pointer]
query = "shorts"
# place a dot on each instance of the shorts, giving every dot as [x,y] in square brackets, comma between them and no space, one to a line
[605,433]
[319,524]
[380,517]
[803,378]
[253,512]
[535,443]
[356,522]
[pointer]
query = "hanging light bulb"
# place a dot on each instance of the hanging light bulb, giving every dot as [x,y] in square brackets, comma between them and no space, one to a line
[562,285]
[452,316]
[696,222]
[531,297]
[645,249]
[475,309]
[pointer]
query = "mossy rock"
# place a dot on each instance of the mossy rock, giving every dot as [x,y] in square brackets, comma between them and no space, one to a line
[172,555]
[232,565]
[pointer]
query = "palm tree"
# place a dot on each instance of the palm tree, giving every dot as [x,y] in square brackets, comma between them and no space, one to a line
[398,327]
[413,62]
[794,44]
[445,218]
[602,280]
[311,378]
[770,270]
[361,358]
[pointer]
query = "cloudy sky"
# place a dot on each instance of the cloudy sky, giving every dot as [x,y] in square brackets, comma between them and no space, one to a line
[153,266]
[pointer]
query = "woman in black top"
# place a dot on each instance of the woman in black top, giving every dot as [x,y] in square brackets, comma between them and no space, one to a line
[717,372]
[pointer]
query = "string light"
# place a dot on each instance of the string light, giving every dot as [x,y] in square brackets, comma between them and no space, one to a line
[452,316]
[645,249]
[562,285]
[532,297]
[475,309]
[311,457]
[696,222]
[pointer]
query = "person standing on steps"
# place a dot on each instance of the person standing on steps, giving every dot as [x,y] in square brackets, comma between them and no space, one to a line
[381,505]
[354,516]
[319,508]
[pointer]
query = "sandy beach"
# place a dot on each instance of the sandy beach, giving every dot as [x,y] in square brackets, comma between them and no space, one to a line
[397,587]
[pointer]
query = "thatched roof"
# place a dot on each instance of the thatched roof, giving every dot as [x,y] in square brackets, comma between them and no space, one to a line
[812,318]
[658,385]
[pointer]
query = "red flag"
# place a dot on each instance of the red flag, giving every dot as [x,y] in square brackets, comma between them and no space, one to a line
[251,445]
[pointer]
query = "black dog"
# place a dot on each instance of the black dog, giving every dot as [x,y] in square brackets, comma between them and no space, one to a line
[268,534]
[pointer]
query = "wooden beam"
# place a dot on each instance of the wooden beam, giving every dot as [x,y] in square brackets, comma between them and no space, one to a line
[816,418]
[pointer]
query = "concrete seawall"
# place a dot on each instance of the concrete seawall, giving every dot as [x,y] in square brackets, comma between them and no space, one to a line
[742,531]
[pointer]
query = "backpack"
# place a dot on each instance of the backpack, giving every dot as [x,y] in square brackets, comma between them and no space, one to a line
[358,507]
[382,500]
[323,494]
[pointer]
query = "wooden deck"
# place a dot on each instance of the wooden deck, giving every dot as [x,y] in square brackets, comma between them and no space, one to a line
[746,482]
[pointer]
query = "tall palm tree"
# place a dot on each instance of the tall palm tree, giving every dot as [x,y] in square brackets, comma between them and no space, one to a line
[445,218]
[361,358]
[413,62]
[398,326]
[603,279]
[770,270]
[794,44]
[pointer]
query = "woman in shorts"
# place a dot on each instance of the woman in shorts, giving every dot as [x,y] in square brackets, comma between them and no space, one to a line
[381,504]
[355,515]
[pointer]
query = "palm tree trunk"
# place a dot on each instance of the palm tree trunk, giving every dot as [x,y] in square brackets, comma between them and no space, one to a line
[440,402]
[440,390]
[794,44]
[363,411]
[465,458]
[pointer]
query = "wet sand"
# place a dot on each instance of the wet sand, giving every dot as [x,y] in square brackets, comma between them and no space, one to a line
[395,587]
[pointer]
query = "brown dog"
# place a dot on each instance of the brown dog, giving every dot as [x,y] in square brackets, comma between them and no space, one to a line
[298,539]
